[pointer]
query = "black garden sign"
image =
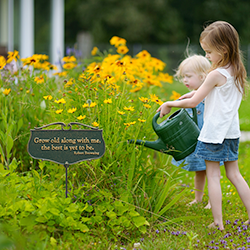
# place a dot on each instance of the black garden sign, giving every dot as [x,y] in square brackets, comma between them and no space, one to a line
[66,146]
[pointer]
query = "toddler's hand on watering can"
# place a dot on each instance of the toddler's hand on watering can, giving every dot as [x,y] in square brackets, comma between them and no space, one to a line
[164,109]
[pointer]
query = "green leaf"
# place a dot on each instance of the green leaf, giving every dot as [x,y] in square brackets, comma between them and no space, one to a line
[83,227]
[139,221]
[111,215]
[35,173]
[9,146]
[54,211]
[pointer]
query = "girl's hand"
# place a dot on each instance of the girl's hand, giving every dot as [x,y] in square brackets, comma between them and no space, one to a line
[188,95]
[164,109]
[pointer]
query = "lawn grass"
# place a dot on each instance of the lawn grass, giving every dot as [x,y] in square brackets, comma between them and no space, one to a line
[194,234]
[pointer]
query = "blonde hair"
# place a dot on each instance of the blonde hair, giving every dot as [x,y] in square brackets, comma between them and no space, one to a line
[224,38]
[198,64]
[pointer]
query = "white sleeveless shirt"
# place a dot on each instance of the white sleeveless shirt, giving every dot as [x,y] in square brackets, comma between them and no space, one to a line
[221,119]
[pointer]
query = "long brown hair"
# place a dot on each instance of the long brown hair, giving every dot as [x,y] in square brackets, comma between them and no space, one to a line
[224,38]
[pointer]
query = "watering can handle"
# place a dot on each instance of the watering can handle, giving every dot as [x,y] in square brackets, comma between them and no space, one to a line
[156,116]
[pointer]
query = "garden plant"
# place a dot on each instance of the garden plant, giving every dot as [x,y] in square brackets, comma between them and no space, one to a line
[130,198]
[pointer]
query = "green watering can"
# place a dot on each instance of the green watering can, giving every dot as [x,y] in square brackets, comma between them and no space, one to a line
[177,134]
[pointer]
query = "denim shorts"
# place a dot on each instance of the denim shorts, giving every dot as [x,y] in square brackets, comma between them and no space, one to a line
[226,151]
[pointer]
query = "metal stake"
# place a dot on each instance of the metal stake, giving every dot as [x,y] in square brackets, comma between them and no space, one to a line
[66,165]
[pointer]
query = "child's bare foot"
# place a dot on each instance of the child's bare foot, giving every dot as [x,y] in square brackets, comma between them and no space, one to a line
[192,203]
[214,226]
[208,206]
[247,222]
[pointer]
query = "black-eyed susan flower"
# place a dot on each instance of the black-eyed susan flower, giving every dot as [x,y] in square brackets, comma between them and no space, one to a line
[141,120]
[81,117]
[117,41]
[92,104]
[146,105]
[12,56]
[94,51]
[156,99]
[144,99]
[39,79]
[59,111]
[85,105]
[60,101]
[175,95]
[70,82]
[62,74]
[71,111]
[108,101]
[48,97]
[69,65]
[121,112]
[130,108]
[6,91]
[2,62]
[68,59]
[122,49]
[95,124]
[30,60]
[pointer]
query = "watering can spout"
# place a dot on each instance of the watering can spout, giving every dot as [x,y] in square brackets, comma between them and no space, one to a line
[177,135]
[156,145]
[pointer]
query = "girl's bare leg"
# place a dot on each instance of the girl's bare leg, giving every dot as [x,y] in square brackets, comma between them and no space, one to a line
[234,175]
[199,184]
[214,190]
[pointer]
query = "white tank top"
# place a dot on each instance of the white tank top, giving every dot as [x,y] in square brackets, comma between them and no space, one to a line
[221,119]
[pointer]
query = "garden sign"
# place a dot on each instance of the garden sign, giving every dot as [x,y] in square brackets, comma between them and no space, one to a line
[66,146]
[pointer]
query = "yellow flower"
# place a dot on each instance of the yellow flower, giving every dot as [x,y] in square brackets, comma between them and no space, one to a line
[85,105]
[68,59]
[95,124]
[59,111]
[117,41]
[144,99]
[71,111]
[60,101]
[122,49]
[129,108]
[94,51]
[2,62]
[39,79]
[146,105]
[121,112]
[69,65]
[6,91]
[64,73]
[141,120]
[48,97]
[175,95]
[129,123]
[92,104]
[27,91]
[155,99]
[81,117]
[70,82]
[12,56]
[108,101]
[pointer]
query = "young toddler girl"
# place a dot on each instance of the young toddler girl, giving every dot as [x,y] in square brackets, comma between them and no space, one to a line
[192,72]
